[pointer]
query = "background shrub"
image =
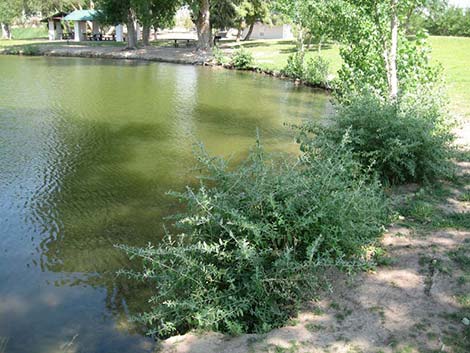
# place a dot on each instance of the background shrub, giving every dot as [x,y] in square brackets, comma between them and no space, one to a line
[254,239]
[243,59]
[313,71]
[316,71]
[405,141]
[450,21]
[295,66]
[219,56]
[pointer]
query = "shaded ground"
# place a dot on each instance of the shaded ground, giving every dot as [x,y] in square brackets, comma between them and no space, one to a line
[418,299]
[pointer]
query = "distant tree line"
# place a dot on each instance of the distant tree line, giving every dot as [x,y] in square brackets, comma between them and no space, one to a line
[312,19]
[451,21]
[206,14]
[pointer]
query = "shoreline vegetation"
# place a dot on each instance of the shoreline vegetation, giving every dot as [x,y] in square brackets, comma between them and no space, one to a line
[270,57]
[247,235]
[163,54]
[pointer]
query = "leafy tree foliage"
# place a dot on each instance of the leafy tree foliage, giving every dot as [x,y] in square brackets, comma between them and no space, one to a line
[158,13]
[223,13]
[377,54]
[448,22]
[9,10]
[251,11]
[48,7]
[312,18]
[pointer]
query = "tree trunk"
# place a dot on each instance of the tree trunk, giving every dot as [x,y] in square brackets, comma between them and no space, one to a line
[204,34]
[392,57]
[239,31]
[408,20]
[131,31]
[250,32]
[146,35]
[6,33]
[301,40]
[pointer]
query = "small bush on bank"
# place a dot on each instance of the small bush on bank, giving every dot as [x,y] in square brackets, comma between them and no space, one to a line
[313,71]
[243,59]
[28,50]
[219,56]
[404,141]
[316,71]
[295,66]
[255,238]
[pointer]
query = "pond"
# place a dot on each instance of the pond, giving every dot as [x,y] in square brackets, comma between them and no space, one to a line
[88,149]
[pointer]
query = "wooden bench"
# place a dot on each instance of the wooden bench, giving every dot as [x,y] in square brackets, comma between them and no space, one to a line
[187,41]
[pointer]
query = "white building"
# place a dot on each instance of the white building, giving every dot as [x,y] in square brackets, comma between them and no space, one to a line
[264,31]
[463,4]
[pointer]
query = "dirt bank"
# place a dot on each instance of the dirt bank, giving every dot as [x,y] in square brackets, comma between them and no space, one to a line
[181,55]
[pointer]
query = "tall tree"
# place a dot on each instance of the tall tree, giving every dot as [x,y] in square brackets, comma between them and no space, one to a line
[299,13]
[252,11]
[201,17]
[156,13]
[376,51]
[9,10]
[121,11]
[223,13]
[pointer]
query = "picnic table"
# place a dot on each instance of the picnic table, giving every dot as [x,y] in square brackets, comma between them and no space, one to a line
[185,40]
[68,36]
[101,37]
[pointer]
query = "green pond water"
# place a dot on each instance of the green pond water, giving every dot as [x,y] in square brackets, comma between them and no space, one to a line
[88,149]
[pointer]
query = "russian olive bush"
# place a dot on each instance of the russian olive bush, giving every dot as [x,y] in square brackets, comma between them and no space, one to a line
[255,238]
[242,59]
[404,141]
[313,71]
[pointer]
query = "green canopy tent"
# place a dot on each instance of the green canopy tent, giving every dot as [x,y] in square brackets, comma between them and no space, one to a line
[81,17]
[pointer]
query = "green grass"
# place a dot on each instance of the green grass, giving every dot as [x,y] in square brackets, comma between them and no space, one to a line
[14,43]
[451,52]
[273,54]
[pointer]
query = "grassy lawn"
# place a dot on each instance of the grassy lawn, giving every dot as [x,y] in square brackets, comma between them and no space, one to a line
[451,52]
[273,54]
